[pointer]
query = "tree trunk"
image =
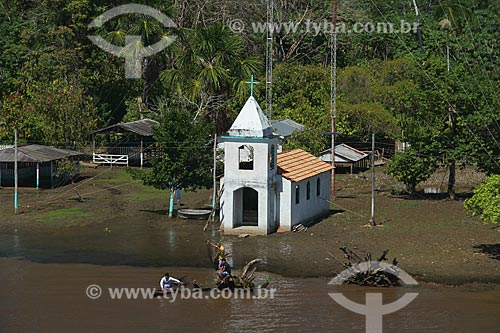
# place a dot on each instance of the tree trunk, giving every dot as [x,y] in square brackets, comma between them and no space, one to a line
[451,180]
[151,73]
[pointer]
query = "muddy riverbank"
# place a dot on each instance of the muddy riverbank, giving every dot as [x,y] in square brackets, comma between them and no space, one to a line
[123,223]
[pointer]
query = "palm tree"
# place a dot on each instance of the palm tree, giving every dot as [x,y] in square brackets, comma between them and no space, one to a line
[452,14]
[150,30]
[209,69]
[454,11]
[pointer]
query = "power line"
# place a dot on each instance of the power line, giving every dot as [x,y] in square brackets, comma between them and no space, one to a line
[464,54]
[434,83]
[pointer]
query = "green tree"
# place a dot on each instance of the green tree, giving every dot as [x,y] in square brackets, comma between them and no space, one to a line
[303,97]
[68,170]
[53,114]
[361,111]
[411,168]
[208,71]
[452,14]
[186,152]
[150,30]
[486,201]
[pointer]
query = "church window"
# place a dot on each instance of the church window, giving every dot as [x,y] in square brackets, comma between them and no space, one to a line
[318,187]
[246,156]
[308,190]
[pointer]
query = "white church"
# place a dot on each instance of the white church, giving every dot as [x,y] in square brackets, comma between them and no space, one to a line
[264,190]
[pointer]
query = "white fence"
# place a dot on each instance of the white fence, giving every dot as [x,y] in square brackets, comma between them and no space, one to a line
[110,159]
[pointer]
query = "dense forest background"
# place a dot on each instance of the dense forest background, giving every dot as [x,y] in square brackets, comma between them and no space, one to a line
[56,86]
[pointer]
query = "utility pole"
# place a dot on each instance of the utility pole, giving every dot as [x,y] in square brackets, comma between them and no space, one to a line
[419,29]
[214,199]
[372,219]
[333,96]
[15,171]
[171,201]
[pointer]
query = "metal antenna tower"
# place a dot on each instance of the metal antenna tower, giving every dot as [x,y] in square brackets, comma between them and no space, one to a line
[333,95]
[269,58]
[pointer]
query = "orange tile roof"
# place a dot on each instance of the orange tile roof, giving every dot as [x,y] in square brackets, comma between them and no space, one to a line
[298,165]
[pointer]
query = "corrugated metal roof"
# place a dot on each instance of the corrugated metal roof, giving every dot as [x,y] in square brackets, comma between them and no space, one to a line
[327,157]
[286,127]
[349,153]
[346,152]
[143,127]
[36,153]
[298,165]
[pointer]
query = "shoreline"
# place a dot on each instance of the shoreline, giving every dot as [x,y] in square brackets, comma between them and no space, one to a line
[295,268]
[473,285]
[433,239]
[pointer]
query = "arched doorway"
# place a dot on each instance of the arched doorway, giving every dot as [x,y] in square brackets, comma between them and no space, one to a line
[246,207]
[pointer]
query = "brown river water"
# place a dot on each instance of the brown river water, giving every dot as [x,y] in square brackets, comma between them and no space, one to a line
[44,278]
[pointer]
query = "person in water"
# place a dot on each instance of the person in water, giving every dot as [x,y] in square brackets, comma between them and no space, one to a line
[224,269]
[166,282]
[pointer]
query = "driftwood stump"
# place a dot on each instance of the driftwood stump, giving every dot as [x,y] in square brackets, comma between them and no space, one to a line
[246,277]
[372,276]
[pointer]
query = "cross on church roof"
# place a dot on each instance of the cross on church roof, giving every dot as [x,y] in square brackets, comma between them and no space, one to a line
[252,83]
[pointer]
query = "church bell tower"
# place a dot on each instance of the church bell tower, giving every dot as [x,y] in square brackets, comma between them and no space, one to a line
[249,202]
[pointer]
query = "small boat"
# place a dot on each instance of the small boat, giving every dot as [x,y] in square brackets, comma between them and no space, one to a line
[160,293]
[194,214]
[168,294]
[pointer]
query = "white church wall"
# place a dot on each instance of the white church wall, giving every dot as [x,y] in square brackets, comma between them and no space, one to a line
[266,211]
[316,206]
[285,199]
[288,213]
[260,166]
[261,178]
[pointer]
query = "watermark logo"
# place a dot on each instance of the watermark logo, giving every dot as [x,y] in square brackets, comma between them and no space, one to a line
[374,309]
[95,292]
[323,27]
[133,51]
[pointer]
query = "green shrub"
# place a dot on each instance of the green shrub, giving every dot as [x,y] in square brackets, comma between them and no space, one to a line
[410,168]
[486,201]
